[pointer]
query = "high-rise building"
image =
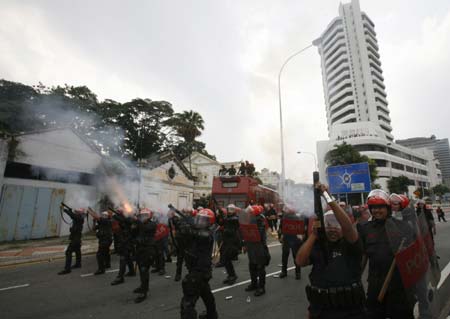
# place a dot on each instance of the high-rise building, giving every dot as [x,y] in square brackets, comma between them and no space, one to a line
[356,106]
[351,70]
[440,148]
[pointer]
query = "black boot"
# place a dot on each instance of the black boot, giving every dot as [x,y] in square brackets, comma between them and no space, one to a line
[230,280]
[64,272]
[283,273]
[141,297]
[99,272]
[139,290]
[260,292]
[118,281]
[251,287]
[177,277]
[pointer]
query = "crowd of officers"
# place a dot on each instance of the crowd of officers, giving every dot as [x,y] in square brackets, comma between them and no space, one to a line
[335,289]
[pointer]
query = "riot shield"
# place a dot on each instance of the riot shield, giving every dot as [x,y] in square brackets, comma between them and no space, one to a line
[248,227]
[162,231]
[292,224]
[410,244]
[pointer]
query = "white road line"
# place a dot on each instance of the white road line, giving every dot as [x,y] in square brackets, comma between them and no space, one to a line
[247,281]
[274,245]
[444,274]
[91,274]
[14,287]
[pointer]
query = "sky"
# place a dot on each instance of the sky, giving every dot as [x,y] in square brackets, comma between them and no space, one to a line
[222,58]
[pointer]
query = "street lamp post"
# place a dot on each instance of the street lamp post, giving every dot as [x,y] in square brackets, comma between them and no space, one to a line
[313,155]
[283,171]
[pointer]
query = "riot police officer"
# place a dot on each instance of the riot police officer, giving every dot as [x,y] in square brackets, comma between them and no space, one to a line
[258,252]
[125,246]
[199,264]
[146,250]
[290,243]
[176,223]
[335,289]
[103,231]
[231,242]
[397,302]
[74,239]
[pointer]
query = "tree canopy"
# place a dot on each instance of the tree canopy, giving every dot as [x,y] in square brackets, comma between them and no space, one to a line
[440,189]
[398,185]
[134,129]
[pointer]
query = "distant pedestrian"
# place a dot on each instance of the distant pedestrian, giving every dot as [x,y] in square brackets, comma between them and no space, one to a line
[440,213]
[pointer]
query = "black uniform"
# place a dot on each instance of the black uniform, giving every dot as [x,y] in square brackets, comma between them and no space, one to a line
[75,240]
[231,245]
[175,223]
[103,229]
[398,302]
[336,290]
[125,247]
[259,258]
[199,264]
[272,218]
[146,254]
[290,244]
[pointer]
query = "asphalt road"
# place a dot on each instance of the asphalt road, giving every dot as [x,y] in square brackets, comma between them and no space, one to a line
[35,291]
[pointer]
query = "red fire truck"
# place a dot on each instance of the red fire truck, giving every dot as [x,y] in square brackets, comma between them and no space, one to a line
[241,191]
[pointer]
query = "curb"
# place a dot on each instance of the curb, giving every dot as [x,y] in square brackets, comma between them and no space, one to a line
[41,259]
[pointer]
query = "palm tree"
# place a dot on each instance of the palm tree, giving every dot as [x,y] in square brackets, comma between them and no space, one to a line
[189,126]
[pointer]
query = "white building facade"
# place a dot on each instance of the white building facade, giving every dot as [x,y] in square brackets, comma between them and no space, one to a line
[353,80]
[356,105]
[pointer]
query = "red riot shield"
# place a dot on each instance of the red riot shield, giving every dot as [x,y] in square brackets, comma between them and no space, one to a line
[248,227]
[414,251]
[429,244]
[162,231]
[292,225]
[409,249]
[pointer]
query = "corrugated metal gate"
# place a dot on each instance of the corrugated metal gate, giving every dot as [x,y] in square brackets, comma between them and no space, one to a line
[29,212]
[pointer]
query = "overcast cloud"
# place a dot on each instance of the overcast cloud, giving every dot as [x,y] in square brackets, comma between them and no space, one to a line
[221,58]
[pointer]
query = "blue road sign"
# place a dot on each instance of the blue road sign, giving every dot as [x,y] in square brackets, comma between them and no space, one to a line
[352,178]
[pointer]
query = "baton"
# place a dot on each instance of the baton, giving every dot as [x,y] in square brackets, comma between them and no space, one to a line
[389,275]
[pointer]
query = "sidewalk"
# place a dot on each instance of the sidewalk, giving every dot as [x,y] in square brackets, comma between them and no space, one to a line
[40,250]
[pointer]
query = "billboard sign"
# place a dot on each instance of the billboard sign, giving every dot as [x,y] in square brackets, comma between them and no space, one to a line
[351,178]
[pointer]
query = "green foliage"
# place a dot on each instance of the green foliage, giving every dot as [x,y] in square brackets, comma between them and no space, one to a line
[344,154]
[134,129]
[440,189]
[398,185]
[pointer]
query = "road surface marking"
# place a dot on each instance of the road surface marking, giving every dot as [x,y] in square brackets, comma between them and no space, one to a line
[14,287]
[274,245]
[91,274]
[247,281]
[444,274]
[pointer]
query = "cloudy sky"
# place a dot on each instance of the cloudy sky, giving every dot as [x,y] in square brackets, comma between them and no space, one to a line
[221,59]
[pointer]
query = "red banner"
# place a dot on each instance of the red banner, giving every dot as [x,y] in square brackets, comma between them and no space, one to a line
[250,233]
[162,231]
[292,227]
[412,262]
